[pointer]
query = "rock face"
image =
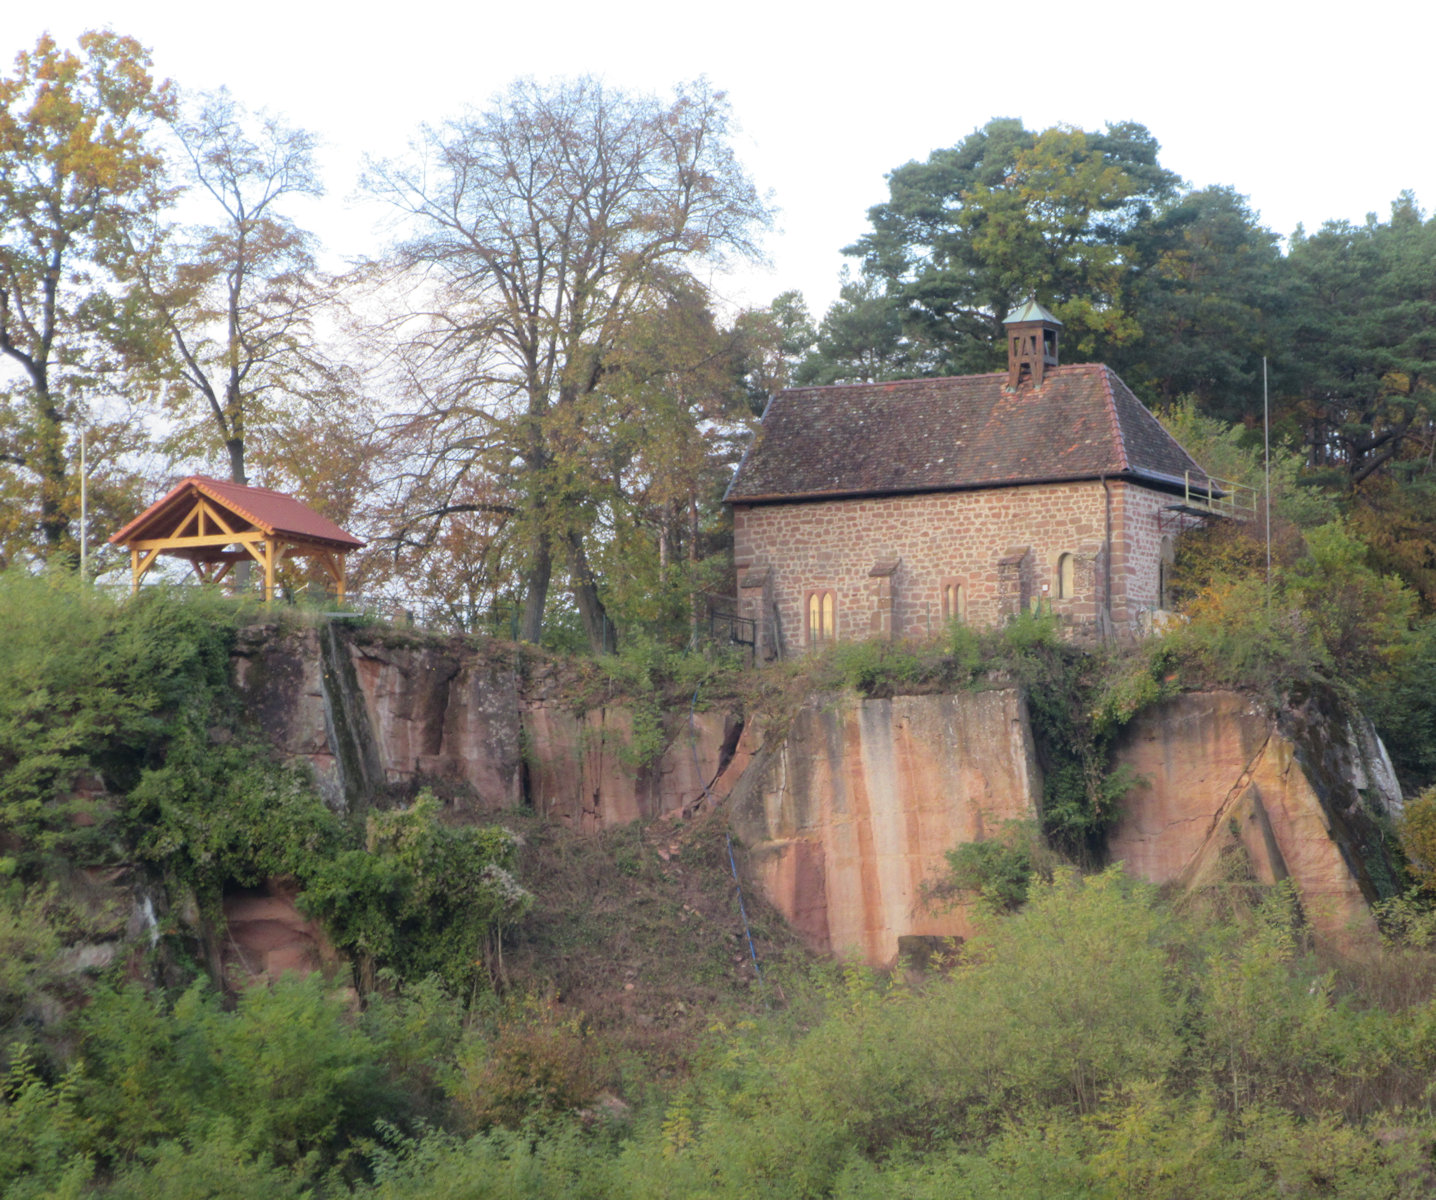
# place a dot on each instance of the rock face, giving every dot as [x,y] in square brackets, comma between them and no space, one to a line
[849,812]
[581,770]
[1217,772]
[265,935]
[852,813]
[370,716]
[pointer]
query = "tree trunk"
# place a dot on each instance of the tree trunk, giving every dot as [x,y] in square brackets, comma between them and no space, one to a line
[50,459]
[235,446]
[535,583]
[693,596]
[585,595]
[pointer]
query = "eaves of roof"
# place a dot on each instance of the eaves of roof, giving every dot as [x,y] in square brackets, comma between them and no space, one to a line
[1173,485]
[954,434]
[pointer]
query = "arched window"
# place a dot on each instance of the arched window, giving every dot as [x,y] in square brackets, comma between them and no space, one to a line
[822,617]
[954,600]
[1066,576]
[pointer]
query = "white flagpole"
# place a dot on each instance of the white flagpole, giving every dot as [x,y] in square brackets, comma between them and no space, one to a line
[1266,440]
[84,507]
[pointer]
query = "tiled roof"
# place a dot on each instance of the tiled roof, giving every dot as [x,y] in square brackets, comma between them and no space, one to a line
[273,512]
[923,435]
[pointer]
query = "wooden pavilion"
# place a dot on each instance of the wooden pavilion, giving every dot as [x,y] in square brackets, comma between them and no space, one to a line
[215,524]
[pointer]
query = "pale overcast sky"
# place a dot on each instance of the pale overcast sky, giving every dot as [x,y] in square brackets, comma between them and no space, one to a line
[1313,114]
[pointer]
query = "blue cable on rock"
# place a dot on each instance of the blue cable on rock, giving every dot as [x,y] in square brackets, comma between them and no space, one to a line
[741,910]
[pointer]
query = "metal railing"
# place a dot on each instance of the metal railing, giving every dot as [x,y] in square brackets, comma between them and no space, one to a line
[1220,497]
[728,628]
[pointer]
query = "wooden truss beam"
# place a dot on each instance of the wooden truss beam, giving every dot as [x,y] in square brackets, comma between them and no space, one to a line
[208,536]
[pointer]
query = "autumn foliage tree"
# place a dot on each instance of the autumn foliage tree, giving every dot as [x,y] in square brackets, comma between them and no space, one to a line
[78,169]
[667,422]
[535,233]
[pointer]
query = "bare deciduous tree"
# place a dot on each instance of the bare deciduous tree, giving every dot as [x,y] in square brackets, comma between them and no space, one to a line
[237,298]
[534,232]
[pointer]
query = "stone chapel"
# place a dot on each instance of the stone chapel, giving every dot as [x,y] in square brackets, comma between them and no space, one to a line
[894,508]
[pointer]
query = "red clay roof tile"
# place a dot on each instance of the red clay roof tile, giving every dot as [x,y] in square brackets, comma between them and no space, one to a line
[968,431]
[259,508]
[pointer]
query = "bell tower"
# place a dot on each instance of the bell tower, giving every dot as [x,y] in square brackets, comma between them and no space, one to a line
[1031,343]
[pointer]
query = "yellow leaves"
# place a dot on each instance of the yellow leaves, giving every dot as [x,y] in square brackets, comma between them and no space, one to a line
[680,1130]
[72,132]
[1062,180]
[1418,838]
[1396,383]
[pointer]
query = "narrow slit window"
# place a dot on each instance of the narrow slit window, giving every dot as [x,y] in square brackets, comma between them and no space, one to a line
[1066,577]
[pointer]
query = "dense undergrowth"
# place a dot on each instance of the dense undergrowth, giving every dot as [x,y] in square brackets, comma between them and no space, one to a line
[539,1013]
[1098,1042]
[124,754]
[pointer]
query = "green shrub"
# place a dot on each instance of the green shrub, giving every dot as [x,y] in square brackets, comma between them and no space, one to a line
[287,1077]
[29,946]
[421,898]
[966,650]
[1403,708]
[211,1162]
[1054,1007]
[1075,722]
[136,690]
[997,871]
[536,1063]
[1407,921]
[1326,617]
[211,816]
[1418,838]
[654,680]
[416,1028]
[561,1160]
[874,666]
[1358,618]
[1071,995]
[39,1155]
[1031,631]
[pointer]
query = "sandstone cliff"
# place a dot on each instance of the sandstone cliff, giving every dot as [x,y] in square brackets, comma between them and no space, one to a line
[847,813]
[1296,791]
[850,815]
[462,716]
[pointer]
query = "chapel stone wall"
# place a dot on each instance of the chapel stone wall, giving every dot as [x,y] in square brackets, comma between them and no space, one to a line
[887,560]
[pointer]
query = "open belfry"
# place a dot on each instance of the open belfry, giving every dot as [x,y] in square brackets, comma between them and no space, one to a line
[215,525]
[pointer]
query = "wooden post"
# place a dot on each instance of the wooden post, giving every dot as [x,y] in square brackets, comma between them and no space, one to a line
[203,532]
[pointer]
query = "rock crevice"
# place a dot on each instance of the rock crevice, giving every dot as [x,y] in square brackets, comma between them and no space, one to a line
[846,813]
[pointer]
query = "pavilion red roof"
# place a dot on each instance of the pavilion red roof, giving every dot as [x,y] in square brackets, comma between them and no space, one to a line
[274,513]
